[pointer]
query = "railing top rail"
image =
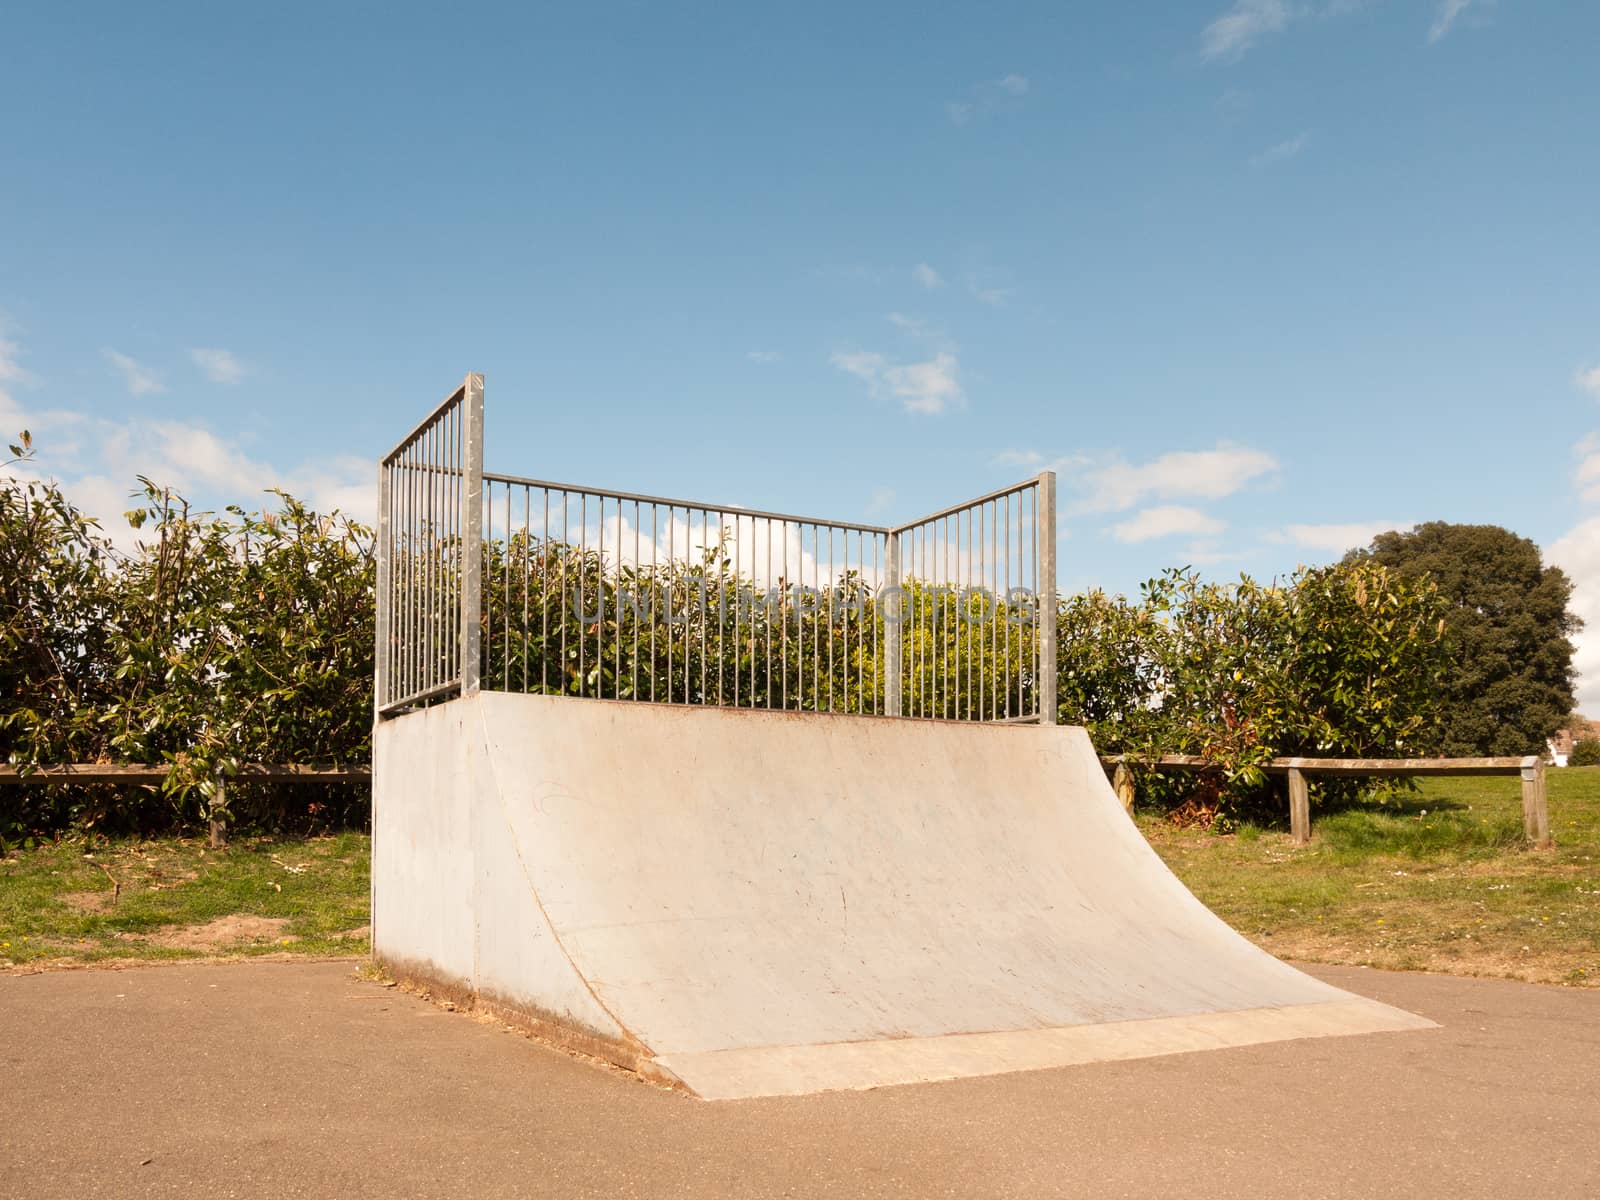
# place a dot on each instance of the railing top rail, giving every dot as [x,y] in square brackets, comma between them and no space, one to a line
[421,426]
[667,501]
[997,494]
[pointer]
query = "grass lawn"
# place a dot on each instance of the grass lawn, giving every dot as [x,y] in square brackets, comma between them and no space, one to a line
[1438,881]
[172,898]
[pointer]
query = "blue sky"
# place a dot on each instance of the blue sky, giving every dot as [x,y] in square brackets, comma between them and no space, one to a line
[1257,279]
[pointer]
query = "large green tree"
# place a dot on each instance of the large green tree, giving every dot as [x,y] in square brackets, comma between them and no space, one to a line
[1508,685]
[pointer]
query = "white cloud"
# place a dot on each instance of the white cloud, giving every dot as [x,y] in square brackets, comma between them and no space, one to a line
[1578,554]
[97,462]
[992,296]
[1279,151]
[1114,485]
[1588,474]
[921,387]
[1337,538]
[1587,379]
[863,364]
[138,378]
[1238,29]
[219,366]
[927,276]
[10,369]
[1017,458]
[958,112]
[1444,17]
[1013,84]
[1165,521]
[764,356]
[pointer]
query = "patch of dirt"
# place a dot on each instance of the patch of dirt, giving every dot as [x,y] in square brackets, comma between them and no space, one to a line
[365,931]
[220,934]
[87,902]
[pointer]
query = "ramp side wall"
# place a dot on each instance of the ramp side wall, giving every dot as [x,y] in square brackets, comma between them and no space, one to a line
[454,906]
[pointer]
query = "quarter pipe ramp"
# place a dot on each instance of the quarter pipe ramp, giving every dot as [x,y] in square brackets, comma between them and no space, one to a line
[764,903]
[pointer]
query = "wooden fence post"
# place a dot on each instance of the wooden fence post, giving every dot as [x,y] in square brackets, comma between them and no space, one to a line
[219,826]
[1299,808]
[1535,811]
[1122,782]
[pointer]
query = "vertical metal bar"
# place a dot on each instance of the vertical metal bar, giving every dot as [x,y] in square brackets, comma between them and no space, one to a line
[544,597]
[816,624]
[583,610]
[1007,621]
[705,533]
[722,600]
[997,620]
[878,659]
[738,603]
[783,615]
[655,607]
[413,624]
[472,546]
[561,609]
[505,574]
[893,612]
[634,690]
[830,617]
[527,556]
[1047,597]
[382,666]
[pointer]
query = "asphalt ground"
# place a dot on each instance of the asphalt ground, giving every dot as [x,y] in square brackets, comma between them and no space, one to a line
[281,1079]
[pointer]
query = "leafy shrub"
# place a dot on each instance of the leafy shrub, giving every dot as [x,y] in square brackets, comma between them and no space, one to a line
[1585,753]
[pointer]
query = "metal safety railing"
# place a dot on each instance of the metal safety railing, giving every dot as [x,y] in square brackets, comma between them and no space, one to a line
[430,538]
[527,585]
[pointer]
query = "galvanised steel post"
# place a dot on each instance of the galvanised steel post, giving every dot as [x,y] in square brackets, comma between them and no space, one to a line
[472,537]
[1046,616]
[894,611]
[382,649]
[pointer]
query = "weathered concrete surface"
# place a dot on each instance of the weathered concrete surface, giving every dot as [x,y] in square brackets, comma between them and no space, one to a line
[287,1080]
[774,903]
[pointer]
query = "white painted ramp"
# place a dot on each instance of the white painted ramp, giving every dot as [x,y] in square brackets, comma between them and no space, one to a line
[757,903]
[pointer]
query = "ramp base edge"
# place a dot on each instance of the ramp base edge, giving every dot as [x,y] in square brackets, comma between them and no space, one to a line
[550,1028]
[797,1070]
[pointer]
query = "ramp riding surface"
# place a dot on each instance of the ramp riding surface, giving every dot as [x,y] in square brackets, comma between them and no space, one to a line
[764,903]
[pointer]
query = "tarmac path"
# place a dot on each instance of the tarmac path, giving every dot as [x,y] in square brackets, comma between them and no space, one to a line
[282,1079]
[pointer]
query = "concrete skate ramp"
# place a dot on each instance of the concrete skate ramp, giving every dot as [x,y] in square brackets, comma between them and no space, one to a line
[755,903]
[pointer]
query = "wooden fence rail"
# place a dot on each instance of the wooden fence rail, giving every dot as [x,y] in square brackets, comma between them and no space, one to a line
[1535,811]
[145,773]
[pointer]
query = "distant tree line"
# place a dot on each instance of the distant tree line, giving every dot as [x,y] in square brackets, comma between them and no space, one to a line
[232,637]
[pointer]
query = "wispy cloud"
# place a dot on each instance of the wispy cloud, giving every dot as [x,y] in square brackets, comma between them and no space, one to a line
[10,368]
[764,356]
[1233,33]
[1279,151]
[921,387]
[907,324]
[1017,458]
[1166,520]
[927,276]
[1588,379]
[219,366]
[992,296]
[1337,538]
[1444,18]
[990,96]
[1112,484]
[140,380]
